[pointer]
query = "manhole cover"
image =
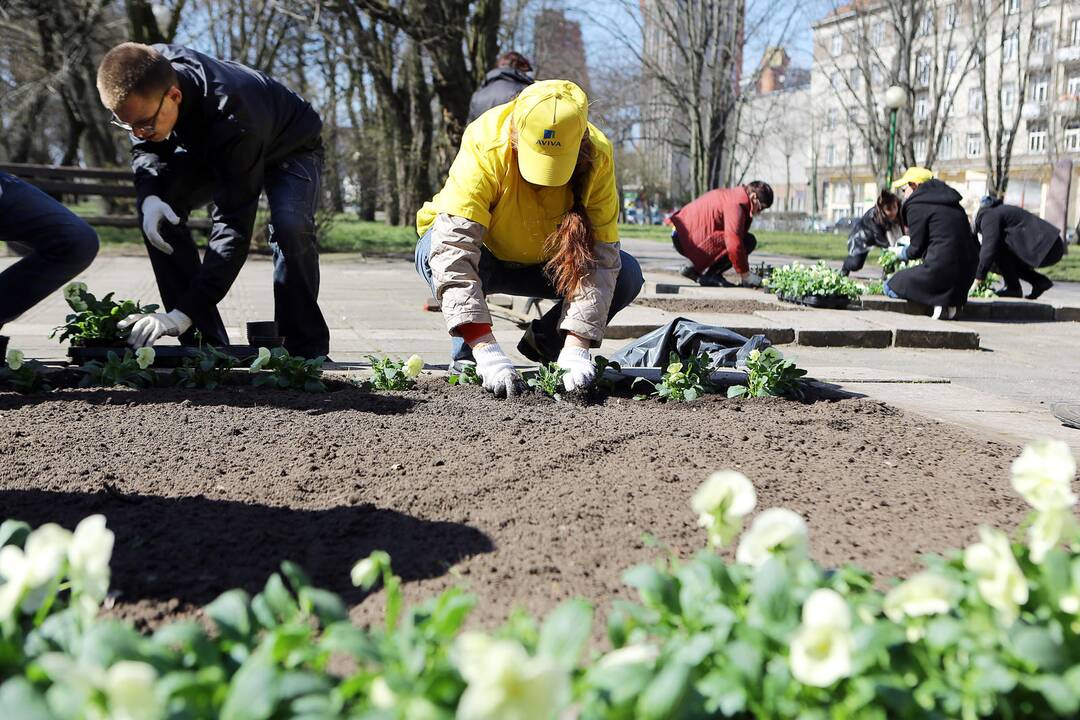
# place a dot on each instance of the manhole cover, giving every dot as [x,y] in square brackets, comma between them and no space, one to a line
[1068,413]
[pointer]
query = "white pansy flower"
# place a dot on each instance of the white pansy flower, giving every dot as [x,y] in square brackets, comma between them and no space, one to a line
[72,294]
[820,651]
[504,683]
[129,691]
[144,356]
[89,555]
[14,574]
[15,359]
[413,366]
[1043,475]
[46,549]
[721,503]
[366,572]
[261,360]
[1046,532]
[1000,581]
[775,531]
[927,593]
[382,696]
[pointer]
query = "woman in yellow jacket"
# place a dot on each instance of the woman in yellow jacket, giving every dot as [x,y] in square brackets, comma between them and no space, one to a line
[530,208]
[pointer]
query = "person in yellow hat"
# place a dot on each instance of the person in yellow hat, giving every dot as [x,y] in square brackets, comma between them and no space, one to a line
[941,237]
[530,208]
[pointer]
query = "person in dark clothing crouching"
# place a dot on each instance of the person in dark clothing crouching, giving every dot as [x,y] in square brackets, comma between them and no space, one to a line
[1015,242]
[941,237]
[210,130]
[878,227]
[511,75]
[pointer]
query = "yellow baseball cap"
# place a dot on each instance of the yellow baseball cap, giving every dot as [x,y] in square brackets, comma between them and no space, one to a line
[551,117]
[917,175]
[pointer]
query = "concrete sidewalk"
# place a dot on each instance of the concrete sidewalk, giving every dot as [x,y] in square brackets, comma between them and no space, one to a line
[376,307]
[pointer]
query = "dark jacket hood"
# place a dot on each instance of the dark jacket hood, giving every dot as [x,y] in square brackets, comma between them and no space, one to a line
[934,192]
[506,74]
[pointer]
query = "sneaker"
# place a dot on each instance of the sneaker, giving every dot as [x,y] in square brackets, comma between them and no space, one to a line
[689,273]
[941,312]
[951,312]
[1039,287]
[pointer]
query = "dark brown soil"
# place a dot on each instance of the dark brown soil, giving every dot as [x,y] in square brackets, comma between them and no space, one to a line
[526,502]
[709,305]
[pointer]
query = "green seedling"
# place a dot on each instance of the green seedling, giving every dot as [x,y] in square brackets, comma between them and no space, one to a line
[207,369]
[390,374]
[768,374]
[23,376]
[277,368]
[548,380]
[129,371]
[94,319]
[467,376]
[683,380]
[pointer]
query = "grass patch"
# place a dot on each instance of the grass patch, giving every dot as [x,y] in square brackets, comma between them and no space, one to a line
[347,234]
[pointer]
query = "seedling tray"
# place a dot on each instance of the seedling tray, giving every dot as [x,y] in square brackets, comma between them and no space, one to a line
[829,302]
[165,356]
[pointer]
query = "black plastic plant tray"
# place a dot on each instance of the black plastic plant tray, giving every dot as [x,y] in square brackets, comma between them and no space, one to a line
[166,356]
[827,302]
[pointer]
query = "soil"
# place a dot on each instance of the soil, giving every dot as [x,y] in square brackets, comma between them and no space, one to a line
[526,502]
[708,305]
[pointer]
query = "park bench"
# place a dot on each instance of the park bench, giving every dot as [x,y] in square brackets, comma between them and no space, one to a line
[60,180]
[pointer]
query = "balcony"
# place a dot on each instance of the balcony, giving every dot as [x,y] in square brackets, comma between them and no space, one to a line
[1067,105]
[1069,55]
[1033,110]
[1039,60]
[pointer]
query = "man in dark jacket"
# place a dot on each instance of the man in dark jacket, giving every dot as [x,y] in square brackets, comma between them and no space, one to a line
[1017,242]
[208,130]
[502,84]
[941,237]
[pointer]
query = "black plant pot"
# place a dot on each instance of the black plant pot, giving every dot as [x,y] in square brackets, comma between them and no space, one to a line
[255,330]
[3,350]
[99,343]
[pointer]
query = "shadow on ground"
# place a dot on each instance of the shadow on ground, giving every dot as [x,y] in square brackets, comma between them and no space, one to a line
[194,548]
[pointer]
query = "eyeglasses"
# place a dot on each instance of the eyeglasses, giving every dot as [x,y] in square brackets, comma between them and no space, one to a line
[147,126]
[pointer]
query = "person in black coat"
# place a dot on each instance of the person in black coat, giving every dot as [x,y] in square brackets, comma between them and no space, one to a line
[511,75]
[941,236]
[210,130]
[1016,242]
[878,227]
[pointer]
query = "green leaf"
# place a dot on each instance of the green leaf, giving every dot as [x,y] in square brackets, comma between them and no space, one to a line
[771,588]
[1037,646]
[657,590]
[565,632]
[13,532]
[736,391]
[230,612]
[450,610]
[19,699]
[1061,696]
[279,599]
[328,606]
[665,693]
[622,682]
[253,691]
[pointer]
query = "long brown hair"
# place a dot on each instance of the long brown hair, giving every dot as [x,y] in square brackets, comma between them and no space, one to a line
[571,249]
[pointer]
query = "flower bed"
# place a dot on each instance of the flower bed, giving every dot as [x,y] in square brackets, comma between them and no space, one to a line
[991,631]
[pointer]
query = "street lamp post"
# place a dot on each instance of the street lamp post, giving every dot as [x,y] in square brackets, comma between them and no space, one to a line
[895,98]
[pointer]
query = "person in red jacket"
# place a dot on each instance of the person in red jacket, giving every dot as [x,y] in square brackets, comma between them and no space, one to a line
[713,233]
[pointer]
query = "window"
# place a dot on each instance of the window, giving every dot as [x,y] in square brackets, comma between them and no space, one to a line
[1072,86]
[876,76]
[922,70]
[945,151]
[1038,88]
[837,80]
[854,78]
[1074,32]
[975,100]
[1012,44]
[877,34]
[1008,96]
[837,44]
[922,106]
[1072,136]
[1012,7]
[951,60]
[1043,40]
[920,146]
[830,155]
[1037,137]
[832,118]
[926,22]
[974,145]
[950,15]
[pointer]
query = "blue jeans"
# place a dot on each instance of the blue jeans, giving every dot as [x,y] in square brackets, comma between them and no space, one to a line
[497,276]
[60,246]
[292,190]
[889,291]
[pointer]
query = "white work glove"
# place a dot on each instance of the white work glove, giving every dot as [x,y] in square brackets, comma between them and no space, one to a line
[580,370]
[497,372]
[146,329]
[904,241]
[749,279]
[154,211]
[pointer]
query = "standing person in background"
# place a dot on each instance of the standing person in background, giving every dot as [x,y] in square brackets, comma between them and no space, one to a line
[713,233]
[1016,242]
[941,237]
[878,227]
[529,208]
[512,74]
[60,244]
